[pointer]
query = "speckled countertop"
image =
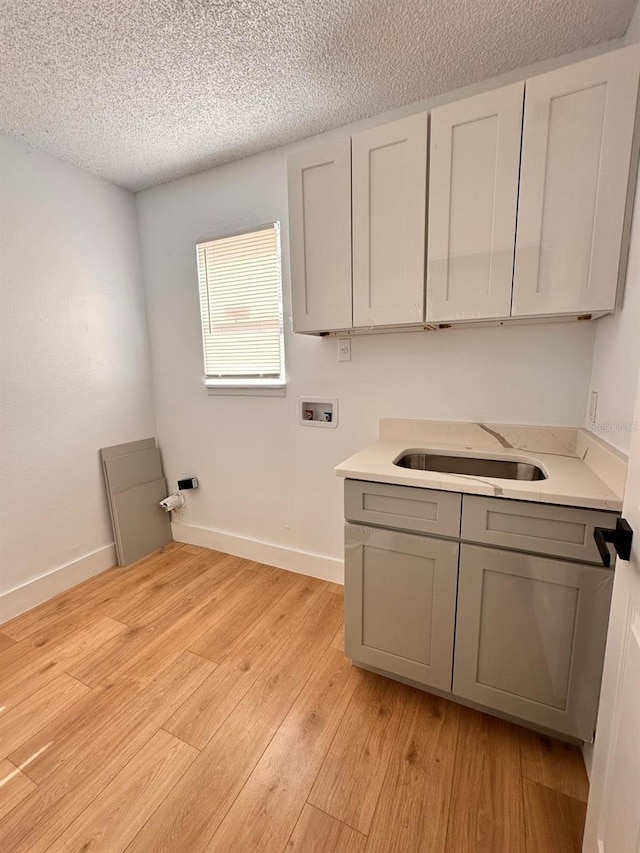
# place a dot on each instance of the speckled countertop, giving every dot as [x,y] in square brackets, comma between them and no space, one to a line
[581,469]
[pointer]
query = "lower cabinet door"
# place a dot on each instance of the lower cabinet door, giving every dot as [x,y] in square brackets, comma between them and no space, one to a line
[400,603]
[530,637]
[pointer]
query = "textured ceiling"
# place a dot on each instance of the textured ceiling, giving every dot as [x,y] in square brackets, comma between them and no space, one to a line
[143,91]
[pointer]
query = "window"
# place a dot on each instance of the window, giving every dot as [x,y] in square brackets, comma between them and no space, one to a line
[241,307]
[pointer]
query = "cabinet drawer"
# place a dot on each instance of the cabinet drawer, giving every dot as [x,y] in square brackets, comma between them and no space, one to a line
[560,531]
[403,507]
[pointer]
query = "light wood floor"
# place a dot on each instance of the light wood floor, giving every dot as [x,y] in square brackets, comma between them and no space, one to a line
[201,702]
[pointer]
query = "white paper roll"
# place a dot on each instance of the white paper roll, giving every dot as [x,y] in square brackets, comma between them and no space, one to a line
[172,502]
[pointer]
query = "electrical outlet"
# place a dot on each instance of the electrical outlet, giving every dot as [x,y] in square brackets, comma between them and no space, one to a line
[344,349]
[593,406]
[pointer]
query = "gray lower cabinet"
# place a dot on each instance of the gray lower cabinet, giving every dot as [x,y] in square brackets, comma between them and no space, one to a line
[530,637]
[528,604]
[400,603]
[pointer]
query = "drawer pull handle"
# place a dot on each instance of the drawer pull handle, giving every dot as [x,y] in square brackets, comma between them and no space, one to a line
[620,538]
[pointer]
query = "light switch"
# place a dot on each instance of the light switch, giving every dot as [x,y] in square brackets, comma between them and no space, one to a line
[344,349]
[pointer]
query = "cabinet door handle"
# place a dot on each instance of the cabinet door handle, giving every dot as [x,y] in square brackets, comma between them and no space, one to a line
[620,538]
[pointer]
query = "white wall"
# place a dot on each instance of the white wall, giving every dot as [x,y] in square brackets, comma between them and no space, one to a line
[75,366]
[616,355]
[262,476]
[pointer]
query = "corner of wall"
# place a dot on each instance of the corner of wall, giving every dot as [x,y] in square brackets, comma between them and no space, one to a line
[616,355]
[632,34]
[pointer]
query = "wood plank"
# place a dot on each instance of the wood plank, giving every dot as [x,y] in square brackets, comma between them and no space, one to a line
[137,581]
[103,666]
[31,664]
[264,592]
[185,632]
[32,621]
[167,595]
[100,601]
[26,719]
[186,822]
[118,813]
[14,787]
[35,823]
[411,815]
[349,782]
[72,731]
[335,587]
[555,764]
[135,648]
[23,653]
[267,809]
[487,787]
[197,721]
[317,832]
[90,757]
[114,582]
[197,549]
[554,822]
[5,642]
[338,640]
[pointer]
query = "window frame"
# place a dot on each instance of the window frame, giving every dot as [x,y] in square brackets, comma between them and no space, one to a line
[254,386]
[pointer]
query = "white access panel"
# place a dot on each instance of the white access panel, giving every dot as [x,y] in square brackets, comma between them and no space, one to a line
[389,174]
[319,181]
[576,154]
[473,195]
[135,486]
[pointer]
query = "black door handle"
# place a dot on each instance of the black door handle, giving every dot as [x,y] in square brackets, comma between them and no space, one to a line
[620,538]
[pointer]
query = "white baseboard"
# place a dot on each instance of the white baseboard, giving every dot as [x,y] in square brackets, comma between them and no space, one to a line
[314,565]
[34,592]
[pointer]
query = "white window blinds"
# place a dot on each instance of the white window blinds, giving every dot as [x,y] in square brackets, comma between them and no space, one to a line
[241,308]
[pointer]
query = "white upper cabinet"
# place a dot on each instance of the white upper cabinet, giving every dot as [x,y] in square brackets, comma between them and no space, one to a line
[319,181]
[529,207]
[576,151]
[473,197]
[389,180]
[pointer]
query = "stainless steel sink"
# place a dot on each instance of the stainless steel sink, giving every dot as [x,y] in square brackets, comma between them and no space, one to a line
[504,469]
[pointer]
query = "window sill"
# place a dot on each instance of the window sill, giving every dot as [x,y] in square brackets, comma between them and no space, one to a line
[246,390]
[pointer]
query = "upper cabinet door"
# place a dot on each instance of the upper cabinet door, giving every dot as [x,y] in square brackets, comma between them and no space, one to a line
[319,180]
[576,153]
[389,208]
[473,196]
